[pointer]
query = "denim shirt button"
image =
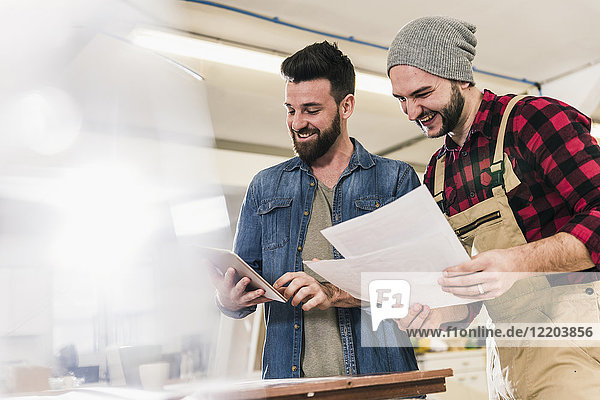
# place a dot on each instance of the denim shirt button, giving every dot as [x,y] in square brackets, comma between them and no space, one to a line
[305,212]
[296,326]
[294,368]
[312,184]
[299,248]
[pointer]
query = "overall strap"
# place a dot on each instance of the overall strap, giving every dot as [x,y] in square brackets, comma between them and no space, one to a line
[497,167]
[438,183]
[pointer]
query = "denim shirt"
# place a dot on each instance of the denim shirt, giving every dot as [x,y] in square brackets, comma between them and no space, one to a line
[270,237]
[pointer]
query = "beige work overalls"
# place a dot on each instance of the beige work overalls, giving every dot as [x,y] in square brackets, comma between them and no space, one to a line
[527,372]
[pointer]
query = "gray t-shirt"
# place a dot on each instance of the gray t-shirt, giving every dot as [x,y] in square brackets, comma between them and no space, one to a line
[322,353]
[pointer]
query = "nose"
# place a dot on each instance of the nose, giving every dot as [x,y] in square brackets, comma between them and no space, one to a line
[411,109]
[298,121]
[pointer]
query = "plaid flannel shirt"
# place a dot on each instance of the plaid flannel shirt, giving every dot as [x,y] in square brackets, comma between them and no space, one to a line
[554,156]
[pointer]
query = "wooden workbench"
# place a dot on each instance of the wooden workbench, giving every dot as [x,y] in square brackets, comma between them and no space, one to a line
[384,386]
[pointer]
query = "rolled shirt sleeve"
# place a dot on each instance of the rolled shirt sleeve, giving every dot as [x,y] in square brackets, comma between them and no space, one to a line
[555,138]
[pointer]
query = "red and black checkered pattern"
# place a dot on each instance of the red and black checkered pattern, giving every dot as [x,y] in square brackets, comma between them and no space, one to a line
[553,155]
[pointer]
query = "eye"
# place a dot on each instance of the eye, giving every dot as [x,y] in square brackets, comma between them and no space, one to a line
[401,99]
[290,111]
[422,95]
[312,112]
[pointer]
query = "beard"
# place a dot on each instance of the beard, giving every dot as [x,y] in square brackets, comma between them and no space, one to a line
[450,113]
[312,150]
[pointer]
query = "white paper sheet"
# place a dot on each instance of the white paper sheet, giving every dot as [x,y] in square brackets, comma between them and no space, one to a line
[409,237]
[404,261]
[412,216]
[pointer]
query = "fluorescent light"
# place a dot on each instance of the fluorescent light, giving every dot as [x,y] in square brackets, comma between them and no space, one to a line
[373,83]
[236,56]
[206,50]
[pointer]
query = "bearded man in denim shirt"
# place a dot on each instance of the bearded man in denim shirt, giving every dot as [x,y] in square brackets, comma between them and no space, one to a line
[332,179]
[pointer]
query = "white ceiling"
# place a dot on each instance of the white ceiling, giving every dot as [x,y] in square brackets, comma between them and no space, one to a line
[537,41]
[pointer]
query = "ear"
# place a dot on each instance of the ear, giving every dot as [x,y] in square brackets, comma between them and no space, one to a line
[464,85]
[347,106]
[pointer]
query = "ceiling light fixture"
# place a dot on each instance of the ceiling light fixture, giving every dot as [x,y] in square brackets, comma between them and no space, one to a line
[166,42]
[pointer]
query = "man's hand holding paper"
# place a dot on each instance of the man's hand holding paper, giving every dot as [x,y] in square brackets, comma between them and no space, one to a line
[408,238]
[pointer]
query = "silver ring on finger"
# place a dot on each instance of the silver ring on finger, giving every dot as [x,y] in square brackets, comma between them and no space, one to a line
[480,288]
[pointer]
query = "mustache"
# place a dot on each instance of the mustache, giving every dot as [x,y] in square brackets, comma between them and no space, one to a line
[305,130]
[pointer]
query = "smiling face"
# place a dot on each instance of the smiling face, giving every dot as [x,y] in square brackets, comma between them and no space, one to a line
[313,118]
[435,104]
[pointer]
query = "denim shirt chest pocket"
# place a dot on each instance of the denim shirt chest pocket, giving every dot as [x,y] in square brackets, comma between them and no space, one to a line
[370,203]
[276,215]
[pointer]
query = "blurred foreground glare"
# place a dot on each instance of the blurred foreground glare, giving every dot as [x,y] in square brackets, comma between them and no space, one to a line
[107,190]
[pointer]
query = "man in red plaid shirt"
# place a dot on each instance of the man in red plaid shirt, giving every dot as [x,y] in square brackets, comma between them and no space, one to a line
[519,181]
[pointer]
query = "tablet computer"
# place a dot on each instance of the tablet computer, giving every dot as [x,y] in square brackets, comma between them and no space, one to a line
[222,259]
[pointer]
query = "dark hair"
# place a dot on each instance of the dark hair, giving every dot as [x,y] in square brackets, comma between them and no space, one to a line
[321,60]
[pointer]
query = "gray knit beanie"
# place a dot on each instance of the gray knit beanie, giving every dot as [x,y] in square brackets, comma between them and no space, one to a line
[442,46]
